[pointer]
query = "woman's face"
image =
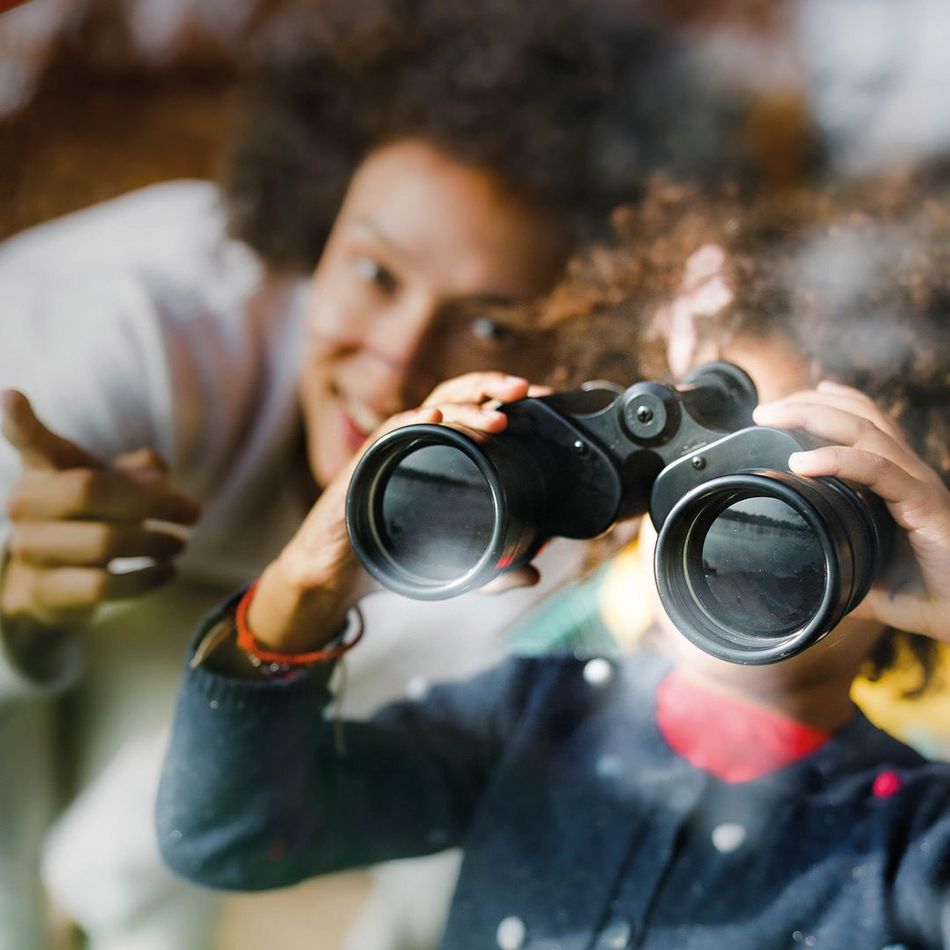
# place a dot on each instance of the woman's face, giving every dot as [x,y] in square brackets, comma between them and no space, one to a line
[422,245]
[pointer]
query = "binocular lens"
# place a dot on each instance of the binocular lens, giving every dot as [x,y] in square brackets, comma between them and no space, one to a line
[436,513]
[756,567]
[761,568]
[429,515]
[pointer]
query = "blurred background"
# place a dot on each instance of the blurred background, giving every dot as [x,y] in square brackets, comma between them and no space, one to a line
[99,97]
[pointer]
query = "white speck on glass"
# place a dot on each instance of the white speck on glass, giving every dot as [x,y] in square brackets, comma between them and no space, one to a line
[728,836]
[598,671]
[617,935]
[609,766]
[417,687]
[511,933]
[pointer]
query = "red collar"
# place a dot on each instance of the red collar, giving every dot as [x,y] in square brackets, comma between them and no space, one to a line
[733,740]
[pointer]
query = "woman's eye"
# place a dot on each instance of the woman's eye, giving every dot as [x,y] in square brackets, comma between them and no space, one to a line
[370,272]
[486,330]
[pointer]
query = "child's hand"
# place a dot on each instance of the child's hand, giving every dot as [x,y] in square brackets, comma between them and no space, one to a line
[867,448]
[304,595]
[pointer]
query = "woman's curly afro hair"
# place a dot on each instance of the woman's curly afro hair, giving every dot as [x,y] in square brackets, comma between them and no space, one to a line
[569,105]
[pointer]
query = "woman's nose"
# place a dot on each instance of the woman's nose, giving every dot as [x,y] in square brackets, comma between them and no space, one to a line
[401,335]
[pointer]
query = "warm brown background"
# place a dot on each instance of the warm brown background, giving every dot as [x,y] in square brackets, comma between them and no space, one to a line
[90,134]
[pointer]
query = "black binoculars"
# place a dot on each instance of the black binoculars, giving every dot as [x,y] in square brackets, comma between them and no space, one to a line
[753,563]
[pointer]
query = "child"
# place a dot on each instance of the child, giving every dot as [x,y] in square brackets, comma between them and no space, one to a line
[659,799]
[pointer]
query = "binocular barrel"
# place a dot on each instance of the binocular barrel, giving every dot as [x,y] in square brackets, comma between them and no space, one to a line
[753,563]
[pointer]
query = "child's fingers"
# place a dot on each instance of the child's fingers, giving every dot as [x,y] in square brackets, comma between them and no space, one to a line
[845,429]
[882,475]
[846,400]
[479,418]
[922,509]
[478,387]
[833,423]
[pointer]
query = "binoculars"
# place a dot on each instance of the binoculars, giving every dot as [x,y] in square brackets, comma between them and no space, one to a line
[753,563]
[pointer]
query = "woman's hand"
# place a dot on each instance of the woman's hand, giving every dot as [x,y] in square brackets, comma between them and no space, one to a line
[302,598]
[71,515]
[867,447]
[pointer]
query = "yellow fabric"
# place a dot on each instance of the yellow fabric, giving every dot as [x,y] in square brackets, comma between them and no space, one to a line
[625,602]
[923,722]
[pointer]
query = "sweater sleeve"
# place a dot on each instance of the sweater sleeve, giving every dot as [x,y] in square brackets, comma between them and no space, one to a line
[261,789]
[921,888]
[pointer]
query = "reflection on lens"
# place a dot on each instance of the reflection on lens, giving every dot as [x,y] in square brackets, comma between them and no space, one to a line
[763,569]
[437,513]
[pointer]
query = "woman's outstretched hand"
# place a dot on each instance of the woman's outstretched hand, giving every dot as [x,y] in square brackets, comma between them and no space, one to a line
[866,447]
[72,514]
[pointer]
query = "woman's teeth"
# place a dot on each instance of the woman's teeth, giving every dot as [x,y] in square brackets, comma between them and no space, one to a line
[363,417]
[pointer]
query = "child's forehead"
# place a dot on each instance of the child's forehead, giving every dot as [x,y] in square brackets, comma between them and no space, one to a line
[774,365]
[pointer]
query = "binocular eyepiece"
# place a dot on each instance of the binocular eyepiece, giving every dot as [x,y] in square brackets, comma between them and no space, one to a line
[753,563]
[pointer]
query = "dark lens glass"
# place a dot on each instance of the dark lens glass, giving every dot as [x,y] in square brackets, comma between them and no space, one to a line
[763,569]
[437,513]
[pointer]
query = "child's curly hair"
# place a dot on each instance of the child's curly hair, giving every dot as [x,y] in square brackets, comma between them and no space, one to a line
[568,106]
[856,279]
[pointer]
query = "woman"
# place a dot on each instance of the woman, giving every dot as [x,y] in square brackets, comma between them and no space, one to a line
[421,161]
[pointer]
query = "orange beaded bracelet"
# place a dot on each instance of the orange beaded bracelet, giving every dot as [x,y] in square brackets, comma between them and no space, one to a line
[258,654]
